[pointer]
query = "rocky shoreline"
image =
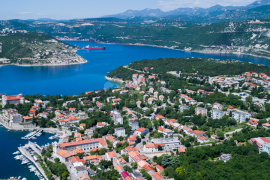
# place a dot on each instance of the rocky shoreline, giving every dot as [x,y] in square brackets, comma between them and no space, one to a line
[114,79]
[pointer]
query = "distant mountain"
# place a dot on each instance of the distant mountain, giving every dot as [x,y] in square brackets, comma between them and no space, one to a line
[212,11]
[50,20]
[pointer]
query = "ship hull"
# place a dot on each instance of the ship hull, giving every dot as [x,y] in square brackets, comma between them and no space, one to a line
[95,48]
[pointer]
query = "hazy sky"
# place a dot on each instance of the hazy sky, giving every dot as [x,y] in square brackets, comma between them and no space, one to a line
[70,9]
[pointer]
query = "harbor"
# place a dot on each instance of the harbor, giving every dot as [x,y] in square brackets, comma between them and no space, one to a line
[13,167]
[28,155]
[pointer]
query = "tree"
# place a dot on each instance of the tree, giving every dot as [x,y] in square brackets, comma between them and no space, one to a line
[220,135]
[144,143]
[160,148]
[249,99]
[138,139]
[43,152]
[120,138]
[182,140]
[65,174]
[125,157]
[166,160]
[128,169]
[134,165]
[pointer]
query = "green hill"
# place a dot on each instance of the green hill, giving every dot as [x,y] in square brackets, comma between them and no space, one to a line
[35,49]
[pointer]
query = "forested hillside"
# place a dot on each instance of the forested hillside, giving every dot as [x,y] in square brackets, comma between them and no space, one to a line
[206,67]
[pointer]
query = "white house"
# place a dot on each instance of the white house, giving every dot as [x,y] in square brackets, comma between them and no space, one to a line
[149,148]
[101,124]
[120,132]
[217,106]
[166,132]
[133,123]
[141,131]
[202,139]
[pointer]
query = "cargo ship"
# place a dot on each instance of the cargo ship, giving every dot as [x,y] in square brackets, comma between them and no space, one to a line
[88,47]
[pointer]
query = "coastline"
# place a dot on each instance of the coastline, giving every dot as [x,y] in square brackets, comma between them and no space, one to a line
[114,79]
[194,51]
[29,65]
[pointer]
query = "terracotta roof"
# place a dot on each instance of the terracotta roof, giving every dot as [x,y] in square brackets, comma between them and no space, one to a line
[266,124]
[94,157]
[149,145]
[147,168]
[160,168]
[157,176]
[141,129]
[13,97]
[197,132]
[74,159]
[112,154]
[117,167]
[65,153]
[181,150]
[103,143]
[133,154]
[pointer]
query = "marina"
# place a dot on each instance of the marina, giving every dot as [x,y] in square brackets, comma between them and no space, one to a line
[12,140]
[33,135]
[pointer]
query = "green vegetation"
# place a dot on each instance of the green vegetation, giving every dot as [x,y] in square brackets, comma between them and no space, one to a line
[204,67]
[198,163]
[248,133]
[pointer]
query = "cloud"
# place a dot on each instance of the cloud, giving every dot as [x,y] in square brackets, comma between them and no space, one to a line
[25,13]
[167,5]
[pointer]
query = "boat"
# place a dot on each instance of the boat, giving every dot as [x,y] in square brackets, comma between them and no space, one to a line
[24,179]
[188,49]
[88,47]
[17,152]
[25,161]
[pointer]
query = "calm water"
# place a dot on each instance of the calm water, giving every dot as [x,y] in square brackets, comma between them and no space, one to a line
[10,141]
[75,79]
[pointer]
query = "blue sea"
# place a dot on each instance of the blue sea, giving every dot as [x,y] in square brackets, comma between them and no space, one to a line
[76,79]
[10,141]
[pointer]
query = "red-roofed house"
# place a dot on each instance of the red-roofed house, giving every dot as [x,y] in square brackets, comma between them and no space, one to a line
[142,131]
[72,110]
[159,168]
[253,122]
[266,125]
[101,124]
[262,143]
[149,148]
[157,176]
[166,132]
[95,159]
[181,150]
[202,139]
[111,155]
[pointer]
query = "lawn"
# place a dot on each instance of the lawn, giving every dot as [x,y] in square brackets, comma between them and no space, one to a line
[232,128]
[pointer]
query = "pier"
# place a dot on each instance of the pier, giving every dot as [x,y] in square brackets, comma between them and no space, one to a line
[23,151]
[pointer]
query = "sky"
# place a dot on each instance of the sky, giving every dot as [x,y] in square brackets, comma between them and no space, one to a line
[71,9]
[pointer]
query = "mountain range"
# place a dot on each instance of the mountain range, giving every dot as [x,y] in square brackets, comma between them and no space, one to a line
[202,12]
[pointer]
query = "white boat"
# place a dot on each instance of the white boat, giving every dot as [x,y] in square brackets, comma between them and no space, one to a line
[188,49]
[19,177]
[17,152]
[18,157]
[25,161]
[24,179]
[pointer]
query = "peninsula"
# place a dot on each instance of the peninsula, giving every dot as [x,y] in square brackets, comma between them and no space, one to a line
[23,48]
